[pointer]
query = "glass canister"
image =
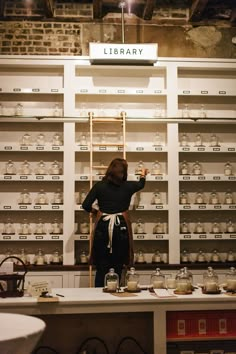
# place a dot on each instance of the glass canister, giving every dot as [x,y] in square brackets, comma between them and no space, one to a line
[139,168]
[40,139]
[230,256]
[183,282]
[156,258]
[111,281]
[159,228]
[8,228]
[56,259]
[184,140]
[201,258]
[231,280]
[184,228]
[156,198]
[228,198]
[132,280]
[56,110]
[41,197]
[25,168]
[214,140]
[185,258]
[230,228]
[55,168]
[39,258]
[83,140]
[198,140]
[215,228]
[84,227]
[215,257]
[26,140]
[183,198]
[197,168]
[214,198]
[23,256]
[25,197]
[228,169]
[41,168]
[19,109]
[157,139]
[157,280]
[185,111]
[199,228]
[139,227]
[39,228]
[210,281]
[57,140]
[25,228]
[56,227]
[156,168]
[184,168]
[57,197]
[10,168]
[83,257]
[199,198]
[140,257]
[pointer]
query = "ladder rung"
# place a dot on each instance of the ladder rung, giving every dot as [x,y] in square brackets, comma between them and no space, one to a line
[105,120]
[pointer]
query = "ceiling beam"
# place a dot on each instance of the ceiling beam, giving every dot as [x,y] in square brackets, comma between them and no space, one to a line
[97,9]
[148,10]
[49,8]
[2,6]
[197,9]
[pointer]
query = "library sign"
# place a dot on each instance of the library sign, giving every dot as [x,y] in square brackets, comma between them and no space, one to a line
[122,53]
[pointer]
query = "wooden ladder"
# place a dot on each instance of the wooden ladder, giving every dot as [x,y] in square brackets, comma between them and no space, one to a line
[121,148]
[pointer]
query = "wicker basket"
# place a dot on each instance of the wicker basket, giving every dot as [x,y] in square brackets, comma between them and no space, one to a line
[12,285]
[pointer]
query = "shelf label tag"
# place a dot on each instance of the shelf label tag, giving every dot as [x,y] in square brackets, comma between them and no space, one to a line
[103,148]
[158,178]
[24,148]
[232,236]
[38,237]
[222,92]
[202,236]
[40,147]
[55,206]
[185,149]
[186,92]
[186,206]
[56,148]
[6,237]
[83,237]
[159,148]
[7,147]
[218,236]
[159,236]
[204,92]
[35,90]
[139,91]
[37,207]
[187,236]
[56,177]
[54,90]
[216,178]
[55,237]
[217,206]
[232,178]
[231,149]
[6,206]
[201,149]
[7,177]
[140,237]
[83,90]
[83,177]
[24,177]
[186,178]
[201,206]
[232,206]
[159,206]
[139,148]
[17,89]
[201,178]
[102,91]
[83,148]
[23,207]
[157,91]
[39,177]
[22,237]
[216,149]
[140,207]
[121,91]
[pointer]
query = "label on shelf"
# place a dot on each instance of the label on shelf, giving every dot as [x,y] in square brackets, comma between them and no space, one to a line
[232,178]
[139,91]
[55,237]
[24,148]
[83,178]
[120,91]
[232,236]
[41,148]
[102,91]
[217,207]
[24,177]
[216,149]
[6,237]
[55,206]
[38,237]
[216,178]
[222,92]
[102,148]
[158,148]
[201,206]
[201,149]
[83,148]
[186,178]
[157,91]
[204,92]
[7,177]
[186,206]
[37,207]
[187,236]
[231,149]
[6,207]
[83,90]
[39,177]
[139,148]
[22,237]
[218,236]
[140,207]
[35,90]
[23,207]
[17,89]
[186,92]
[159,236]
[232,206]
[202,236]
[9,147]
[201,178]
[83,237]
[56,177]
[54,90]
[140,237]
[159,206]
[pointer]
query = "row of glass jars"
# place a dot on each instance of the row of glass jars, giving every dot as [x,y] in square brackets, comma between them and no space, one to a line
[26,168]
[18,110]
[196,169]
[201,198]
[26,228]
[139,227]
[202,257]
[103,139]
[198,141]
[41,140]
[41,198]
[183,282]
[39,258]
[214,227]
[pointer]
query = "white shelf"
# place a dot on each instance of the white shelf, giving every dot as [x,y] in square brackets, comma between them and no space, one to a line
[216,149]
[31,207]
[208,236]
[32,237]
[32,178]
[17,147]
[207,177]
[207,207]
[204,92]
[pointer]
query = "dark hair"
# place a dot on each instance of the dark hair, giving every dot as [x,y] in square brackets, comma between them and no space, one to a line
[117,171]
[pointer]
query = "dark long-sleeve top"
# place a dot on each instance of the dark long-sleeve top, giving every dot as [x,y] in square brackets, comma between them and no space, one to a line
[112,198]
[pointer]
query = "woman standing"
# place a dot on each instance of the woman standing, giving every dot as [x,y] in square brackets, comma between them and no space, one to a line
[112,245]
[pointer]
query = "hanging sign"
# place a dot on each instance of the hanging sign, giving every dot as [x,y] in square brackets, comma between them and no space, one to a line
[110,53]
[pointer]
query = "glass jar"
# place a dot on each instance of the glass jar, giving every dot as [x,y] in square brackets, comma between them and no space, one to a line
[230,228]
[156,258]
[39,228]
[23,256]
[25,228]
[214,198]
[202,112]
[156,168]
[210,281]
[57,197]
[25,168]
[156,198]
[8,228]
[158,111]
[184,228]
[39,258]
[56,259]
[184,140]
[228,169]
[83,140]
[1,109]
[214,140]
[230,256]
[199,228]
[157,280]
[41,168]
[84,227]
[41,198]
[189,275]
[139,168]
[215,257]
[231,279]
[55,227]
[199,198]
[139,227]
[55,168]
[25,197]
[140,257]
[19,109]
[132,280]
[228,199]
[26,140]
[10,168]
[183,198]
[111,281]
[57,140]
[40,139]
[184,168]
[158,228]
[201,258]
[185,257]
[183,282]
[215,228]
[56,111]
[198,140]
[197,169]
[82,196]
[83,257]
[185,111]
[157,140]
